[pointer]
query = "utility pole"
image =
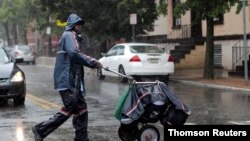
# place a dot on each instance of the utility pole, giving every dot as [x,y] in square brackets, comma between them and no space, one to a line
[245,42]
[49,47]
[133,33]
[133,22]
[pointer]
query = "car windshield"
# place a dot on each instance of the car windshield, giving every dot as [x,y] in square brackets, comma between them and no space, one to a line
[145,49]
[3,56]
[7,48]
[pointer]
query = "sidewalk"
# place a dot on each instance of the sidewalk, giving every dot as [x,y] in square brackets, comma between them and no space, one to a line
[222,80]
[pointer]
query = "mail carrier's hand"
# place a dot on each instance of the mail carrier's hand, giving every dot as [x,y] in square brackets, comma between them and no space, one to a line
[98,65]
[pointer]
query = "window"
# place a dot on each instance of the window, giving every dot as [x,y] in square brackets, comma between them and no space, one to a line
[176,20]
[120,50]
[217,56]
[145,49]
[219,19]
[112,52]
[3,56]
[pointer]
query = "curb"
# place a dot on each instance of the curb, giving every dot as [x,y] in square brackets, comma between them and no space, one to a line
[209,85]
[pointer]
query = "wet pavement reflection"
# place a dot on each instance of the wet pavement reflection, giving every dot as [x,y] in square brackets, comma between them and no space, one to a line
[214,106]
[209,106]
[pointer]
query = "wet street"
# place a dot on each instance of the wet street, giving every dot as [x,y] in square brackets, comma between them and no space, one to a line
[209,106]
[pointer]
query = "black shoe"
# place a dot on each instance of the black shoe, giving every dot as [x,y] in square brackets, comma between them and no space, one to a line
[36,134]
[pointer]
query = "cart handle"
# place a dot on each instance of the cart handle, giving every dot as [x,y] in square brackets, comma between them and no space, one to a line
[134,81]
[120,74]
[150,82]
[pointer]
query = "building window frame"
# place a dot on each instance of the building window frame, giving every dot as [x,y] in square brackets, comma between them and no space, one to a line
[176,20]
[218,56]
[219,19]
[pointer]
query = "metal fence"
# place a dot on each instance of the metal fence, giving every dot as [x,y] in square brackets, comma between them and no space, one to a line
[238,55]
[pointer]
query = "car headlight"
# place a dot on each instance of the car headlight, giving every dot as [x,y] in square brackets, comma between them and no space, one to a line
[17,77]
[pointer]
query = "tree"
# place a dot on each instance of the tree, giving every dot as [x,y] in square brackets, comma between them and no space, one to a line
[16,15]
[208,10]
[109,19]
[6,13]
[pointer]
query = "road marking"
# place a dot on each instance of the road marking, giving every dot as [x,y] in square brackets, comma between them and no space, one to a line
[190,123]
[44,106]
[247,122]
[43,103]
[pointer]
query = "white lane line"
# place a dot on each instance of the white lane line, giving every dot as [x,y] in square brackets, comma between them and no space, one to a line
[247,122]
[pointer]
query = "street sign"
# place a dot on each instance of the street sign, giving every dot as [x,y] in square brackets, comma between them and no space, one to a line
[133,19]
[48,31]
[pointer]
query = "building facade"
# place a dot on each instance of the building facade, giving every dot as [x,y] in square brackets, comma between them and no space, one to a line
[228,38]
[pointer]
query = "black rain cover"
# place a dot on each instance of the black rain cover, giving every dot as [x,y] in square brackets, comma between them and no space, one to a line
[143,94]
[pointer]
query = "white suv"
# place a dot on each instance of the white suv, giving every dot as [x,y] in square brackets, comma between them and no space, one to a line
[25,52]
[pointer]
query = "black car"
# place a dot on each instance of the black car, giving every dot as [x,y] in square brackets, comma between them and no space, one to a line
[12,80]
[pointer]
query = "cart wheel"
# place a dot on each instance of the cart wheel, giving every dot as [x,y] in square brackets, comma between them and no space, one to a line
[128,132]
[149,133]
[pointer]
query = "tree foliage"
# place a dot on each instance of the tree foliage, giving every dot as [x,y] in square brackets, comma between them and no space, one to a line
[16,16]
[6,13]
[208,10]
[109,19]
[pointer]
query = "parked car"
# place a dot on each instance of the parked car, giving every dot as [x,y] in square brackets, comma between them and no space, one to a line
[12,79]
[25,52]
[137,60]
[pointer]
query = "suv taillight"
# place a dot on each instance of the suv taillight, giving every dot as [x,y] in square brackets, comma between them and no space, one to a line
[170,59]
[135,59]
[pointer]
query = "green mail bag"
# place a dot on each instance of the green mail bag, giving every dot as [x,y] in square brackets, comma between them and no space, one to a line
[120,103]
